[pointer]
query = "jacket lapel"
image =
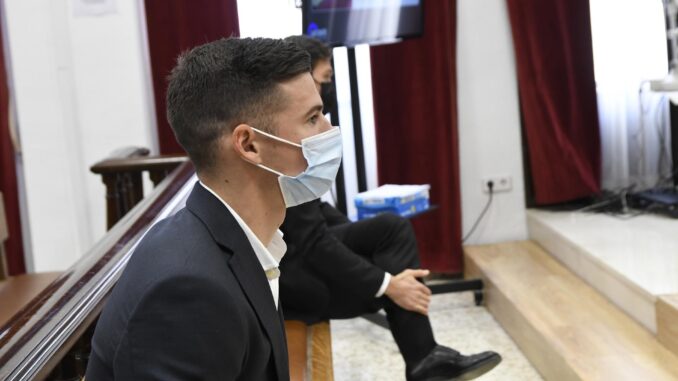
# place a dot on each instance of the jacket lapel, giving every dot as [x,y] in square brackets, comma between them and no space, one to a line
[246,268]
[258,292]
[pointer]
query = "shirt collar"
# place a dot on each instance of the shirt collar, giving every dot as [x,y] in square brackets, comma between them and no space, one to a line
[269,256]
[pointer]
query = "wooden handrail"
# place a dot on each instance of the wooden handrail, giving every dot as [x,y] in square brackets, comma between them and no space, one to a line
[36,339]
[4,234]
[150,163]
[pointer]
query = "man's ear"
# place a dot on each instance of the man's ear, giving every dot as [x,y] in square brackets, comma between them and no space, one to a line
[245,144]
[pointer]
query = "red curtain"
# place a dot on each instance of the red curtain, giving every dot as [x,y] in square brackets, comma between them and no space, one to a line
[173,27]
[554,57]
[415,107]
[8,181]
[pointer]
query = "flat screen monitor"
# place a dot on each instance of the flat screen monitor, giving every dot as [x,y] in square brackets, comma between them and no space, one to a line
[353,22]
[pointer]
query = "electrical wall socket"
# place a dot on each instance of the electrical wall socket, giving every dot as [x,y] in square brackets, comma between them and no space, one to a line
[499,184]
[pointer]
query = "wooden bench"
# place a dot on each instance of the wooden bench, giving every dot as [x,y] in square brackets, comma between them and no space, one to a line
[16,291]
[310,351]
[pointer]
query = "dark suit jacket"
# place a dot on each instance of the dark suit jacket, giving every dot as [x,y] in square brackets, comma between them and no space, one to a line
[192,304]
[317,263]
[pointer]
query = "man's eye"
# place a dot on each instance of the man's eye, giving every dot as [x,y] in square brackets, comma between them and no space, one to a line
[314,119]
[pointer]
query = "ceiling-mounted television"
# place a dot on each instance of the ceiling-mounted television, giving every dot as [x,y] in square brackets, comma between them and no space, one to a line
[353,22]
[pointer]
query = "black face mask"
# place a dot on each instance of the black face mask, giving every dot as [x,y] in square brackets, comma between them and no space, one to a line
[328,95]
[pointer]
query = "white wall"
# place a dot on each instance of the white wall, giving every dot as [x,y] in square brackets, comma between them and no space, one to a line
[489,120]
[268,18]
[82,90]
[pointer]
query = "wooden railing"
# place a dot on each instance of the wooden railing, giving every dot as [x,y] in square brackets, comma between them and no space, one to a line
[122,175]
[49,338]
[4,234]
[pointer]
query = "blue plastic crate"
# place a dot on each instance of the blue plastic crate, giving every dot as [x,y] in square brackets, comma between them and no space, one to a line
[405,210]
[403,200]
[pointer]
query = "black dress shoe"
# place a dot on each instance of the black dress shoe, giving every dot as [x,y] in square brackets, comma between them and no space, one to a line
[445,364]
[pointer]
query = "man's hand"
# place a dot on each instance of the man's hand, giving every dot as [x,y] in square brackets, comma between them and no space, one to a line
[407,292]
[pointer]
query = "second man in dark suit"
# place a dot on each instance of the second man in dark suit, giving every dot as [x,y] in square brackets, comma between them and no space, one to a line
[339,269]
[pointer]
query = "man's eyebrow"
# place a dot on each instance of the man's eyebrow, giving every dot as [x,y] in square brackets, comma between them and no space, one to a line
[313,110]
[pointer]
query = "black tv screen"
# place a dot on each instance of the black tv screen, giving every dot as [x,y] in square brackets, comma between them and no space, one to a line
[353,22]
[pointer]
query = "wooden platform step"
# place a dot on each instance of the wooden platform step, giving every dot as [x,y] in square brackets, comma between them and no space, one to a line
[564,327]
[667,321]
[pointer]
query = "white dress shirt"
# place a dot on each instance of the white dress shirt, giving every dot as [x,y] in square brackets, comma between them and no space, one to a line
[269,256]
[384,285]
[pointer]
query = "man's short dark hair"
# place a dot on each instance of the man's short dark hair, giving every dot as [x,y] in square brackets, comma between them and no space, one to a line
[316,48]
[218,85]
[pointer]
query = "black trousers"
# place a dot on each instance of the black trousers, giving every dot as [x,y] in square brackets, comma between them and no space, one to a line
[388,241]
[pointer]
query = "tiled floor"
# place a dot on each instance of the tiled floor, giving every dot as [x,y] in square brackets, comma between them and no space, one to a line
[363,351]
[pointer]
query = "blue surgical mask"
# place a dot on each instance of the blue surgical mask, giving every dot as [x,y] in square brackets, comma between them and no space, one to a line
[323,154]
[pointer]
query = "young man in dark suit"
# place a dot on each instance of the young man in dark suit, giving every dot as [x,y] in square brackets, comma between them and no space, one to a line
[337,269]
[198,300]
